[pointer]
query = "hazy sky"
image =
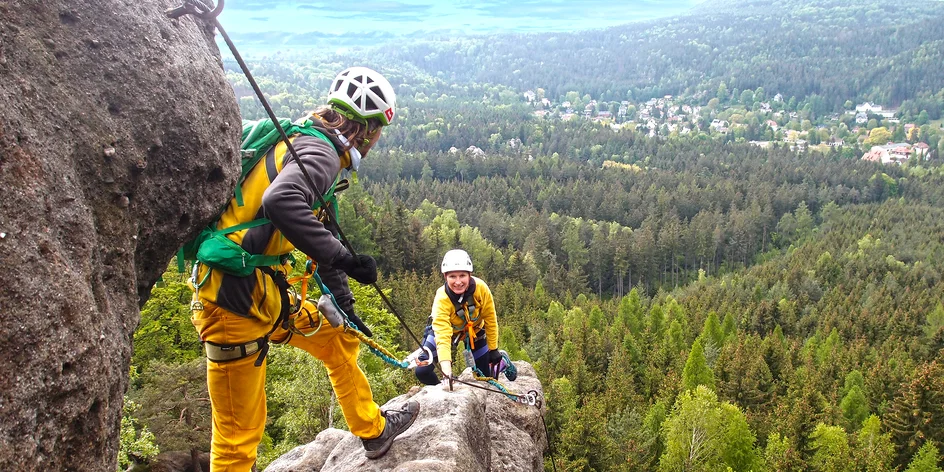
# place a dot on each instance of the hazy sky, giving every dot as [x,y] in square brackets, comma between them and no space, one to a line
[361,22]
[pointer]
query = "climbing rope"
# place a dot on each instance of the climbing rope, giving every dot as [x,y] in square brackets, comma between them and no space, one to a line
[532,398]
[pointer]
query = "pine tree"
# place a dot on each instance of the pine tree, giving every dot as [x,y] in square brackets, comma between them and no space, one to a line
[934,323]
[652,427]
[656,321]
[873,450]
[673,342]
[631,312]
[781,456]
[175,406]
[585,443]
[743,376]
[728,326]
[712,332]
[696,370]
[925,460]
[855,407]
[830,449]
[917,412]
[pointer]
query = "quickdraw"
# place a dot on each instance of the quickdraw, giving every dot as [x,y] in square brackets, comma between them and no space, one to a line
[532,398]
[529,398]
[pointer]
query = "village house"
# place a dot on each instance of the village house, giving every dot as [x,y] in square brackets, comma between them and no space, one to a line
[719,125]
[529,96]
[896,153]
[869,108]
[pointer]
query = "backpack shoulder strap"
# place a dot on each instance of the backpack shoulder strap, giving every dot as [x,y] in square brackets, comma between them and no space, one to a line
[259,136]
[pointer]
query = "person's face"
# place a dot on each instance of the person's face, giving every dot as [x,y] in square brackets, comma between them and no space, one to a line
[372,139]
[458,281]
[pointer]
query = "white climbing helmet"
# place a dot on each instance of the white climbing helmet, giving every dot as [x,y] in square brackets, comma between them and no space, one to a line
[365,93]
[456,259]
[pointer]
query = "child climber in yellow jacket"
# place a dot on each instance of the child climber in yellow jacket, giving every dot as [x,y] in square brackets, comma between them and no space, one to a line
[463,311]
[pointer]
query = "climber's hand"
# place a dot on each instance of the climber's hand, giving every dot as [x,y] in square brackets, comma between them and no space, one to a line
[446,367]
[361,268]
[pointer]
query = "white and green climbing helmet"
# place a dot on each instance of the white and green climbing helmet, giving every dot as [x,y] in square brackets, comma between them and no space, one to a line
[362,94]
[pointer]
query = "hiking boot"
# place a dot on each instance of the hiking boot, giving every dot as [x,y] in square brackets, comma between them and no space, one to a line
[398,421]
[511,372]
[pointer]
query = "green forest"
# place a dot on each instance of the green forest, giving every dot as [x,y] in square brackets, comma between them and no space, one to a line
[690,302]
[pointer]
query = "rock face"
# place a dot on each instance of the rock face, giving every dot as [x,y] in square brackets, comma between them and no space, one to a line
[118,140]
[465,430]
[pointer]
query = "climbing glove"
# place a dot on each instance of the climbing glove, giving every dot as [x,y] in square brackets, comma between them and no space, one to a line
[356,320]
[361,268]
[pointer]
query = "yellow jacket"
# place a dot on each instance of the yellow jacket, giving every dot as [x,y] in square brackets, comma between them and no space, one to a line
[283,196]
[446,322]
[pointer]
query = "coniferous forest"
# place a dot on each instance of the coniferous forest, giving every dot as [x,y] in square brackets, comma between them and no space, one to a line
[691,300]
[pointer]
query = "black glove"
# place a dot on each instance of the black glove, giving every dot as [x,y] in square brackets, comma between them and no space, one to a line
[349,311]
[362,269]
[494,357]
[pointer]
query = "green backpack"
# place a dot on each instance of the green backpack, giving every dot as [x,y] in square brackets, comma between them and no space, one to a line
[211,246]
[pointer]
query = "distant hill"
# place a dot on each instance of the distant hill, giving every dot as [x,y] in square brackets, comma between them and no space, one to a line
[839,50]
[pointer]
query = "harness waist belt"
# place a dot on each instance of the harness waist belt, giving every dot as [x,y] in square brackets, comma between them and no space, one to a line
[232,352]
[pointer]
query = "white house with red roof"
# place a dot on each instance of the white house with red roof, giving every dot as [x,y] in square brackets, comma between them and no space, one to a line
[890,153]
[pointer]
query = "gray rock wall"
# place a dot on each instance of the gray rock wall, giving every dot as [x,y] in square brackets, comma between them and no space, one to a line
[466,430]
[118,140]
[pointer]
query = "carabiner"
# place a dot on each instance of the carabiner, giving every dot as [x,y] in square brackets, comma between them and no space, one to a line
[311,323]
[413,360]
[196,8]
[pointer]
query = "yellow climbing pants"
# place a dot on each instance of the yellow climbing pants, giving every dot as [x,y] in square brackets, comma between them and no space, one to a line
[237,388]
